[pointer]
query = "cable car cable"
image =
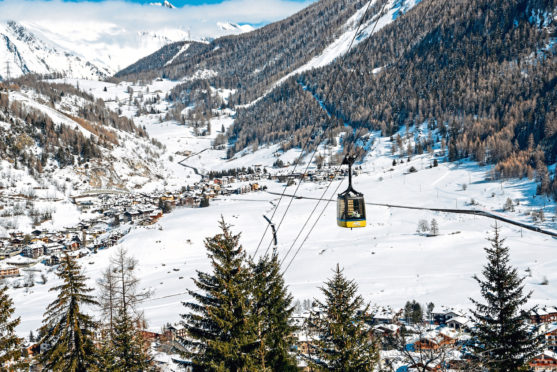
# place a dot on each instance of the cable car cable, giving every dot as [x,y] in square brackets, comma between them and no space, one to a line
[315,124]
[350,146]
[330,119]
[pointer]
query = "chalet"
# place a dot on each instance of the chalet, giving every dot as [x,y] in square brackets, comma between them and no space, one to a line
[434,341]
[53,248]
[8,272]
[132,215]
[550,334]
[52,260]
[458,323]
[546,314]
[34,250]
[21,261]
[155,215]
[386,316]
[385,330]
[149,336]
[545,361]
[441,317]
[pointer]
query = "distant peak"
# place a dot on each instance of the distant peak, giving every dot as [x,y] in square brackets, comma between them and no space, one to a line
[165,4]
[228,26]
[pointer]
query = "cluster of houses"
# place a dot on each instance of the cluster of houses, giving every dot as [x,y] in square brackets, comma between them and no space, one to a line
[108,212]
[444,335]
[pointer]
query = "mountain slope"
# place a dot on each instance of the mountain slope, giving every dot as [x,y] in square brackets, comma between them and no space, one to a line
[481,73]
[55,132]
[21,52]
[251,62]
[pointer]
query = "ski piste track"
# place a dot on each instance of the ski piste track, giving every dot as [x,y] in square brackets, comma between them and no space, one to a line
[475,212]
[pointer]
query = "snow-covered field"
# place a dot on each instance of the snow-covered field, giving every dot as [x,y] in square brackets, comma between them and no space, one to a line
[391,262]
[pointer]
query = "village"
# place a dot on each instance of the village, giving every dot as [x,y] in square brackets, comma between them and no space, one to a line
[438,341]
[108,215]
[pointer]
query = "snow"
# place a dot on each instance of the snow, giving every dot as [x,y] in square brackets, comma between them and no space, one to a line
[182,50]
[228,26]
[340,46]
[388,259]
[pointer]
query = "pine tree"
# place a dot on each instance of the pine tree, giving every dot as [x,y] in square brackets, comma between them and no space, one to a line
[272,309]
[10,344]
[344,343]
[66,329]
[220,331]
[503,341]
[123,347]
[434,227]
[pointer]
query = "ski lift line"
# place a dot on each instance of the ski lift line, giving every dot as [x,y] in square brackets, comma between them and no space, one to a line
[356,138]
[476,212]
[352,73]
[307,220]
[315,123]
[310,230]
[162,297]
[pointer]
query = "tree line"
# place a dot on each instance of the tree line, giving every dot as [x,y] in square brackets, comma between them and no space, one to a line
[239,318]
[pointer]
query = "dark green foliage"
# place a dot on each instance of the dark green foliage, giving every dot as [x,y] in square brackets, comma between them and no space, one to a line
[481,104]
[127,349]
[503,340]
[272,309]
[344,343]
[413,312]
[220,331]
[123,347]
[68,330]
[10,344]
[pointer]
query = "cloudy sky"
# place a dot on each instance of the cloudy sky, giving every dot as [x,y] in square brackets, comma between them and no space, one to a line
[200,16]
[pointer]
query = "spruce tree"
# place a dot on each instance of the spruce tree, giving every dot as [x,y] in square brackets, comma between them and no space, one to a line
[343,343]
[503,341]
[66,329]
[10,344]
[128,352]
[220,331]
[272,310]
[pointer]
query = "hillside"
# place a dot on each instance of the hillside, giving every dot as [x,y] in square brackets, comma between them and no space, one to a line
[251,62]
[64,137]
[22,52]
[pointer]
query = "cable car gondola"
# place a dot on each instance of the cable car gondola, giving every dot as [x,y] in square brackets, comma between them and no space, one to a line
[351,209]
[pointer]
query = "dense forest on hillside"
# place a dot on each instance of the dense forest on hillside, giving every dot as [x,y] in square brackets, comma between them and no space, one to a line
[27,127]
[482,73]
[251,62]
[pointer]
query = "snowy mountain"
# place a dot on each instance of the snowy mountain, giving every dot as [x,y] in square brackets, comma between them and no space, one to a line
[22,52]
[66,134]
[90,50]
[228,26]
[165,4]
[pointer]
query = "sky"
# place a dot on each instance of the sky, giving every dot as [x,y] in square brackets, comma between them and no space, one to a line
[198,16]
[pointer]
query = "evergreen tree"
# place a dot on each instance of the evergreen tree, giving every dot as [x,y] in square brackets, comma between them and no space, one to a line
[128,352]
[220,331]
[503,342]
[344,343]
[10,344]
[66,329]
[123,347]
[434,227]
[272,308]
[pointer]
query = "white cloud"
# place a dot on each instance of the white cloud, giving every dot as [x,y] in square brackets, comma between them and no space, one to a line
[117,33]
[201,20]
